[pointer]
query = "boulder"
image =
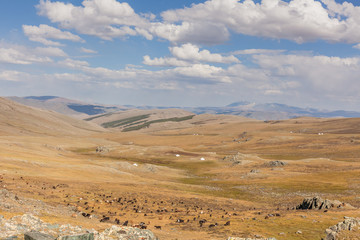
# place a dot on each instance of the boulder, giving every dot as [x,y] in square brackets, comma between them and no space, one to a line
[37,236]
[87,236]
[318,203]
[347,225]
[277,163]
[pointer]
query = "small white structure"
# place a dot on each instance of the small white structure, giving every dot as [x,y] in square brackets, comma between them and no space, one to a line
[202,159]
[320,134]
[135,164]
[177,155]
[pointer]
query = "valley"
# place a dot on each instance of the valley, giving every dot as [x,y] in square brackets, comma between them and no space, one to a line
[244,177]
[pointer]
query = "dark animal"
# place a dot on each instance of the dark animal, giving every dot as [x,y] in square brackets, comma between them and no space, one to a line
[213,225]
[104,219]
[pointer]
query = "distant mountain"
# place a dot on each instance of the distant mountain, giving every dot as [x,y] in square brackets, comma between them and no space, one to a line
[260,111]
[66,106]
[271,111]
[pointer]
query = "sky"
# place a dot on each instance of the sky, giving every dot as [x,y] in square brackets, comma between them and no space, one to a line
[191,53]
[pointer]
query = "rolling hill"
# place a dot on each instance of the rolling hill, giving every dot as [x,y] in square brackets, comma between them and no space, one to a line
[66,106]
[259,111]
[17,119]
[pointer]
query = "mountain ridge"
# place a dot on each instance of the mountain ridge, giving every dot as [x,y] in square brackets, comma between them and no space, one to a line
[259,111]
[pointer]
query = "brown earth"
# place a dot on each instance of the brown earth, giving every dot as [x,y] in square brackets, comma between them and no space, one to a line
[52,158]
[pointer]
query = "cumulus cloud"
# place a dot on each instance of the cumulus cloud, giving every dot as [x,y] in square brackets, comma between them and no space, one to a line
[296,20]
[257,51]
[188,31]
[164,62]
[312,74]
[71,63]
[21,55]
[210,22]
[45,32]
[192,53]
[187,54]
[106,19]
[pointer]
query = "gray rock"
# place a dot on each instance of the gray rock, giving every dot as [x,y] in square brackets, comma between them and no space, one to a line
[319,204]
[10,238]
[87,236]
[277,163]
[37,236]
[347,225]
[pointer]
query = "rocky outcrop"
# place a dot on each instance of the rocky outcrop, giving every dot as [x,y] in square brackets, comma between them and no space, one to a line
[101,149]
[319,204]
[238,158]
[233,238]
[277,163]
[347,225]
[34,228]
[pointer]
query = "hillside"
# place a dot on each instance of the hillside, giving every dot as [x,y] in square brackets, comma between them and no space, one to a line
[66,106]
[259,111]
[159,119]
[204,177]
[17,119]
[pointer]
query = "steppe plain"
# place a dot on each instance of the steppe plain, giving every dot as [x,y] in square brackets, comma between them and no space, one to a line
[212,167]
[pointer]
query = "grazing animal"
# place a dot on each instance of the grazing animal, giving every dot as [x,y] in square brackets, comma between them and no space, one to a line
[105,219]
[227,223]
[158,227]
[126,223]
[179,221]
[213,225]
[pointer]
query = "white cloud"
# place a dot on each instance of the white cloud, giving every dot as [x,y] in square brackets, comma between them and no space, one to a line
[312,74]
[44,32]
[203,71]
[13,76]
[186,55]
[164,62]
[357,46]
[273,92]
[21,55]
[106,19]
[71,63]
[188,31]
[50,51]
[191,52]
[257,51]
[297,20]
[86,50]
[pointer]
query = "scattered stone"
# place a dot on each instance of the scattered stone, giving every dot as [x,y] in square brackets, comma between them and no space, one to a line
[88,236]
[101,149]
[347,225]
[238,158]
[37,236]
[254,171]
[318,203]
[277,163]
[236,238]
[35,229]
[299,232]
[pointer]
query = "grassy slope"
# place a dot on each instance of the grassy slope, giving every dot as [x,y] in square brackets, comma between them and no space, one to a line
[313,168]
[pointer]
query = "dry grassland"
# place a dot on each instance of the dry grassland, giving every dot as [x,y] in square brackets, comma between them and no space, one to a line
[67,173]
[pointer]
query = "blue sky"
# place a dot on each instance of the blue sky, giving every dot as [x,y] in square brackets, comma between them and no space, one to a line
[183,53]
